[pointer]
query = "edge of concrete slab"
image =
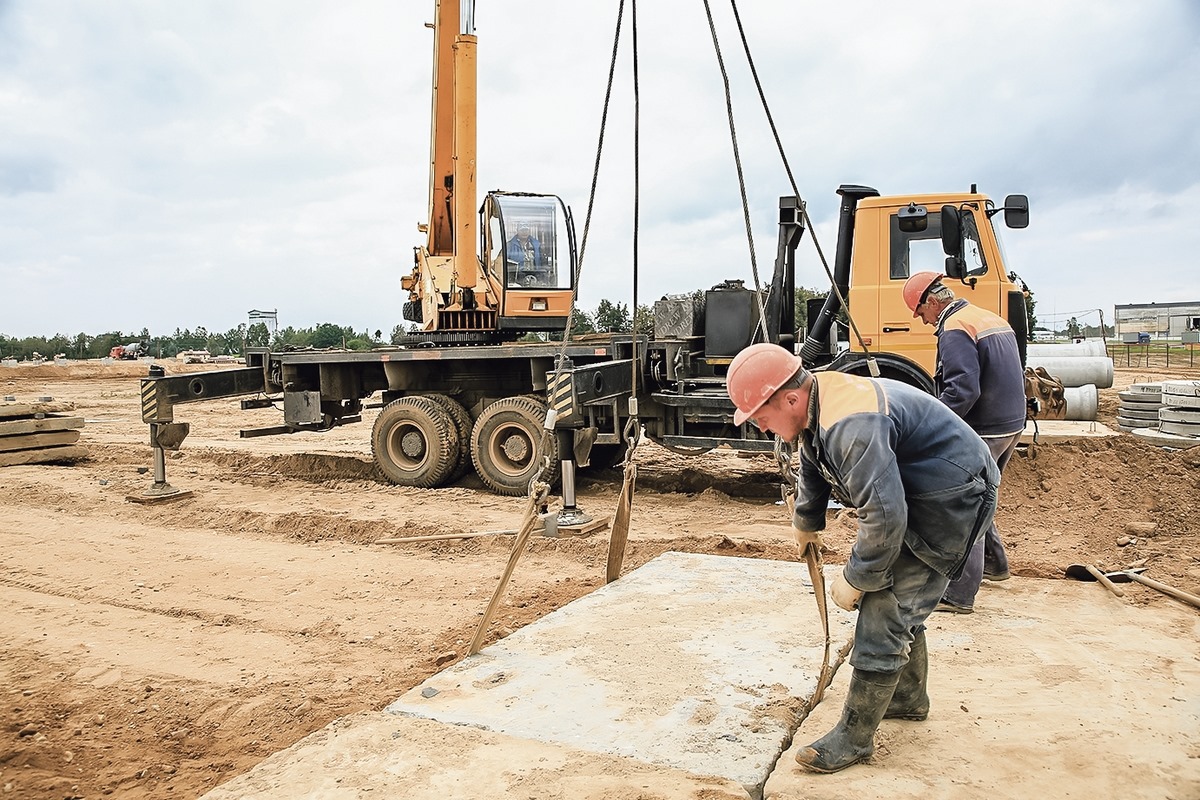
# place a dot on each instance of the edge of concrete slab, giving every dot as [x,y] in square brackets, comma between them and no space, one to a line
[1071,715]
[380,755]
[1155,436]
[1059,430]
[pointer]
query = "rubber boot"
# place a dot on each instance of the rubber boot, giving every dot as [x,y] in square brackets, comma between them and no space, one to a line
[853,738]
[911,700]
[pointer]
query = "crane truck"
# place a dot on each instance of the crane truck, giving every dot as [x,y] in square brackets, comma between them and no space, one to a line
[463,394]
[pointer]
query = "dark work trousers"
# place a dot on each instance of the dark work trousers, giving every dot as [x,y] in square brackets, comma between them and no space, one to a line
[988,551]
[890,618]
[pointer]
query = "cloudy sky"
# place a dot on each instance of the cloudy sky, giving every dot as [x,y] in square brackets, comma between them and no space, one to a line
[170,164]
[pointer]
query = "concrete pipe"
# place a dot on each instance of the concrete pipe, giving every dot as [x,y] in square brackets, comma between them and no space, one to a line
[1082,402]
[1088,348]
[1077,371]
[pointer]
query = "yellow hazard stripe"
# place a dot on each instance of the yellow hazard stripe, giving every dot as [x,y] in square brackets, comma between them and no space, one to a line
[561,396]
[149,400]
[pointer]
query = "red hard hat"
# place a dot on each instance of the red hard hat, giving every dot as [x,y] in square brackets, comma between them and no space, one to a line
[916,287]
[755,374]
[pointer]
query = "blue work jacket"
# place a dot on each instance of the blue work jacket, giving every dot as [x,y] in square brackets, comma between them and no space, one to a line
[916,472]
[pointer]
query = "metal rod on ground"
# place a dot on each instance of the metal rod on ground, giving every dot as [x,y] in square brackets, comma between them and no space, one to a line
[439,537]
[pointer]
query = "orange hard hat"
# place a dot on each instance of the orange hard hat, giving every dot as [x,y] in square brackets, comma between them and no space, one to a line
[916,287]
[755,374]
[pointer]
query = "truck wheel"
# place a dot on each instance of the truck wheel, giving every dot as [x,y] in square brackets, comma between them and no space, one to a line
[415,442]
[504,445]
[462,423]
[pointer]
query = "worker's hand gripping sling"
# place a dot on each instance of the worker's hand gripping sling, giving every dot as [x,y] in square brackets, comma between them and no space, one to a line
[812,556]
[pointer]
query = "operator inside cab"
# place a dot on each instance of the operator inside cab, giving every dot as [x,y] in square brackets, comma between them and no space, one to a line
[524,254]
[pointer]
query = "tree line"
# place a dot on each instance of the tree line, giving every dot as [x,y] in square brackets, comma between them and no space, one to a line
[232,342]
[607,317]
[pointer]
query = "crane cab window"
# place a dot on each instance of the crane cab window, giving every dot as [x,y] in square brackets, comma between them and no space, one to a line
[922,250]
[522,241]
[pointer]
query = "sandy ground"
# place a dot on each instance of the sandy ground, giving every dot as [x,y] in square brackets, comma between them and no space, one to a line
[156,651]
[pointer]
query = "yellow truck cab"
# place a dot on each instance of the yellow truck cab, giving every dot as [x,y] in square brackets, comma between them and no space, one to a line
[881,242]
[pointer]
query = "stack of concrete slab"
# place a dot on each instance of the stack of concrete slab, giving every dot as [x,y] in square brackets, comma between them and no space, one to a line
[40,432]
[1139,405]
[1180,412]
[1178,416]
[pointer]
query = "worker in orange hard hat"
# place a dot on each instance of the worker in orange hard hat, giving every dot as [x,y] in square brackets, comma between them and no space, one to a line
[917,288]
[981,378]
[925,488]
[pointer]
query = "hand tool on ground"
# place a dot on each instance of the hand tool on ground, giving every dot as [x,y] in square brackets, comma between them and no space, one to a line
[1087,572]
[1133,575]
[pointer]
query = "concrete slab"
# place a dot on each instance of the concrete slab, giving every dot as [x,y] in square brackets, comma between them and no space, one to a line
[378,755]
[1058,430]
[1055,689]
[691,661]
[1155,436]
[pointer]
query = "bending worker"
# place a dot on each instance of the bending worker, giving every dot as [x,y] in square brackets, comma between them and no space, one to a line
[981,379]
[925,488]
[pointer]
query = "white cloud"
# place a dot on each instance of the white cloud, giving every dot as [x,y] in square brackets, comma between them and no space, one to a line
[167,164]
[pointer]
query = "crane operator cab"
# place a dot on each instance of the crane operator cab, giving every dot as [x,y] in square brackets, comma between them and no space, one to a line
[529,249]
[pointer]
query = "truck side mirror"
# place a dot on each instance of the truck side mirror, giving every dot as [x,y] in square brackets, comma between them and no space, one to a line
[913,219]
[1016,211]
[951,232]
[955,268]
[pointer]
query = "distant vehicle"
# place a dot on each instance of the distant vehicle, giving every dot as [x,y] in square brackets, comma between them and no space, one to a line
[1143,337]
[128,352]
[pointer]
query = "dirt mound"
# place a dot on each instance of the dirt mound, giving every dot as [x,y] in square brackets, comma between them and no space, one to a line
[101,368]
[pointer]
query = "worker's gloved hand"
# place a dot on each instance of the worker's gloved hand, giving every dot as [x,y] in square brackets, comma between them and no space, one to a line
[843,594]
[805,538]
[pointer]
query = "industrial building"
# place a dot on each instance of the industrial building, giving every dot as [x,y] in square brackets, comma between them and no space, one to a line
[1160,320]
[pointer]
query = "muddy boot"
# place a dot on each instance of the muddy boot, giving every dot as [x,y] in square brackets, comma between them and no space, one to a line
[911,700]
[853,738]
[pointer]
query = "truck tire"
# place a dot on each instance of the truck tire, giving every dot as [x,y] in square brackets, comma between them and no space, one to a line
[415,442]
[504,444]
[897,369]
[462,422]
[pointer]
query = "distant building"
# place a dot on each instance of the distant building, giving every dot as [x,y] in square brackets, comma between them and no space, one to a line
[1160,320]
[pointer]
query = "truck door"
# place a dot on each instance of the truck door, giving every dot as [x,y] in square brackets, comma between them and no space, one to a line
[909,252]
[917,251]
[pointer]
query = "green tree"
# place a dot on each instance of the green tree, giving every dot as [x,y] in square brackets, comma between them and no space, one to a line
[329,335]
[800,306]
[1073,329]
[258,335]
[645,320]
[581,324]
[613,317]
[79,348]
